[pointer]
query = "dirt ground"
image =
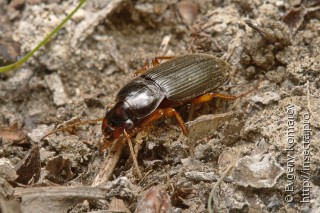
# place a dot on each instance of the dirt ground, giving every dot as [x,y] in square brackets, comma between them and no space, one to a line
[259,153]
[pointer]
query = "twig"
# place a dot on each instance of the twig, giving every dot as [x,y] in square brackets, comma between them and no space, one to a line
[215,187]
[110,162]
[144,177]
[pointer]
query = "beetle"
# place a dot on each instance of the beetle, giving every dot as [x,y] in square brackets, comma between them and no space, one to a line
[189,78]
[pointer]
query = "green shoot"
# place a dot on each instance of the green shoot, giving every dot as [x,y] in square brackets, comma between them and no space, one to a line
[43,42]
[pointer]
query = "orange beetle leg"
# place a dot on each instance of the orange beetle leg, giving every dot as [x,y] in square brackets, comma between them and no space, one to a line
[209,96]
[167,112]
[155,61]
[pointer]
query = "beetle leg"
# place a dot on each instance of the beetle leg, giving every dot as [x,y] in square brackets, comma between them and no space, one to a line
[168,112]
[155,61]
[140,71]
[209,96]
[133,154]
[205,98]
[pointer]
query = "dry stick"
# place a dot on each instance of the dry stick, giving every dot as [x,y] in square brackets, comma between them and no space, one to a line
[110,162]
[215,187]
[144,177]
[58,198]
[134,157]
[164,45]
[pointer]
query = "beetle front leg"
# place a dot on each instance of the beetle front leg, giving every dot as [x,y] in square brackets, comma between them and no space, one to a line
[170,112]
[167,112]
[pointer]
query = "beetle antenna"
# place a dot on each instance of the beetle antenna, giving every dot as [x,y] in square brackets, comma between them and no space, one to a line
[71,126]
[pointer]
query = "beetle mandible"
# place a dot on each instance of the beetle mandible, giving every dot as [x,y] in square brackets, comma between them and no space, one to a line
[184,79]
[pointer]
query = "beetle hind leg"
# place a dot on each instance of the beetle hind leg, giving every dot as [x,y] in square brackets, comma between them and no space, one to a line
[167,112]
[205,98]
[209,96]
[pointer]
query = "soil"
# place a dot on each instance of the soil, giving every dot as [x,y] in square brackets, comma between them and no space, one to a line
[258,153]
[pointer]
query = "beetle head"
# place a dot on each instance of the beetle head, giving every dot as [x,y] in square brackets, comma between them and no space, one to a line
[116,120]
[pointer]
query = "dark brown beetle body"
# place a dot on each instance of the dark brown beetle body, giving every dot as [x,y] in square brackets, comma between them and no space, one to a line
[166,85]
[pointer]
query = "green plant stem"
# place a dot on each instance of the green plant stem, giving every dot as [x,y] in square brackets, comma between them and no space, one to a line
[43,42]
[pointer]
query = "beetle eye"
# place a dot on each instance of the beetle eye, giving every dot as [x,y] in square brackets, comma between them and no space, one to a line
[129,124]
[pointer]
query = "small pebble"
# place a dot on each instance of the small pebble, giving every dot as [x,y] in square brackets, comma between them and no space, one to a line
[266,98]
[201,176]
